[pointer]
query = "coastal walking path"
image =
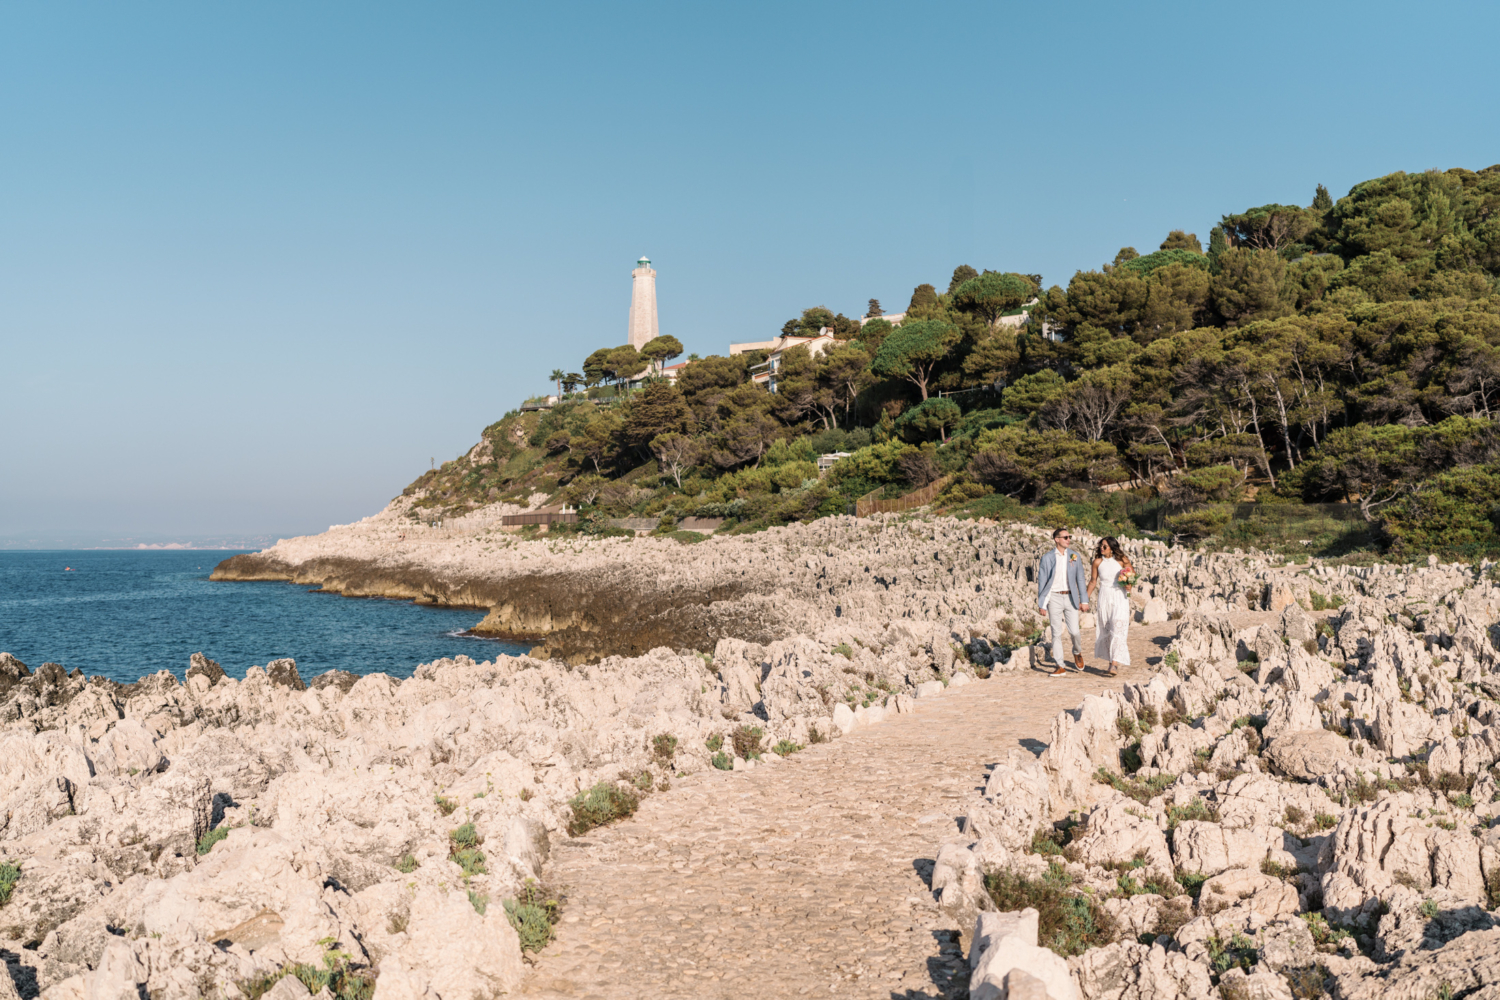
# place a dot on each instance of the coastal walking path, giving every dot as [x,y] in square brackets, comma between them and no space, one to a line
[807,877]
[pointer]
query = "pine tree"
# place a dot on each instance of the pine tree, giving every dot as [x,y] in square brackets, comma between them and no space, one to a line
[874,310]
[961,273]
[1322,201]
[1217,244]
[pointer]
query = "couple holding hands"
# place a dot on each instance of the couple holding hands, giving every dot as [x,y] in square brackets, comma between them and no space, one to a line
[1063,590]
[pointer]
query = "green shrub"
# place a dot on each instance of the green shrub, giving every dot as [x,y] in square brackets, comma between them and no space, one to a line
[445,805]
[746,740]
[600,805]
[9,875]
[785,748]
[464,836]
[534,914]
[1323,821]
[1306,983]
[1142,791]
[208,840]
[1192,883]
[1197,809]
[1322,931]
[1276,870]
[471,860]
[722,761]
[1069,922]
[1321,603]
[1453,512]
[339,975]
[663,749]
[480,901]
[844,649]
[1238,952]
[714,742]
[407,864]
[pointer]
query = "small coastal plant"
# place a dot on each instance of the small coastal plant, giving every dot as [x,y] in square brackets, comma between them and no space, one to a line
[533,915]
[339,975]
[785,748]
[464,843]
[471,860]
[407,864]
[1069,921]
[722,761]
[445,805]
[663,749]
[9,875]
[845,650]
[208,840]
[746,741]
[1142,791]
[601,805]
[480,901]
[714,742]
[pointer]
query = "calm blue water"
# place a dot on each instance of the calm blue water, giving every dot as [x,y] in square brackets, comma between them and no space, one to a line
[127,614]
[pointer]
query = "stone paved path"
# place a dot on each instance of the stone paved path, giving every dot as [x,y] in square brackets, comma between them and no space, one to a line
[806,877]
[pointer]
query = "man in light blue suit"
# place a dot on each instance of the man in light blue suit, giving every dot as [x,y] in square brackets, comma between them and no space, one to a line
[1062,582]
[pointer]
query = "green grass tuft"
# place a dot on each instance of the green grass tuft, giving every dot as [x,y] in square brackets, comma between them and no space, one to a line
[208,840]
[9,875]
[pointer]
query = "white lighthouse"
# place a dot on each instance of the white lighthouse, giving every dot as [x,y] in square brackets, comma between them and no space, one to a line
[642,304]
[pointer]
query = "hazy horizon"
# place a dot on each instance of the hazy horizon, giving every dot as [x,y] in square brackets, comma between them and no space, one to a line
[260,266]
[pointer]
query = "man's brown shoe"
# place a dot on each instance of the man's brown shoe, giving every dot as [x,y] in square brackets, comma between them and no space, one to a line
[1059,672]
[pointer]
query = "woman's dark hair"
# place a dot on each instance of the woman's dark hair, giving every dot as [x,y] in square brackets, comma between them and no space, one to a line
[1114,548]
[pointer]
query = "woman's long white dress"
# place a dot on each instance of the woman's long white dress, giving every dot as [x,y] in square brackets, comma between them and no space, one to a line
[1112,611]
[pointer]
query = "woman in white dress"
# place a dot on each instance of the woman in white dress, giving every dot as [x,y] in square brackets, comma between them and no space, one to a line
[1112,605]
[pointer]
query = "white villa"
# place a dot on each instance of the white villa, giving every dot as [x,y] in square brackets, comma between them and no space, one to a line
[765,372]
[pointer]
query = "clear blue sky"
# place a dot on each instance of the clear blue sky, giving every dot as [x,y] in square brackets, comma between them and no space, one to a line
[260,262]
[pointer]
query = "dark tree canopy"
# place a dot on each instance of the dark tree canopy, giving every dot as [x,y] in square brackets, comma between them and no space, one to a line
[922,297]
[1270,227]
[991,294]
[1349,350]
[914,349]
[961,273]
[662,349]
[1179,240]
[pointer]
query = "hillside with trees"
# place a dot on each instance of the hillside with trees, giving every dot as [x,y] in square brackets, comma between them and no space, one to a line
[1334,366]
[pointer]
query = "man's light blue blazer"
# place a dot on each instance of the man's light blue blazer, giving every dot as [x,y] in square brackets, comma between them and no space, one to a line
[1078,578]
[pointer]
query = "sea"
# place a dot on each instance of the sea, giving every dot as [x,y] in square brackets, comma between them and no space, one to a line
[126,614]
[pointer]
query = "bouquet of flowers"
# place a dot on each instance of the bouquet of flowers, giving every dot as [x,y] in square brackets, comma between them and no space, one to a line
[1127,579]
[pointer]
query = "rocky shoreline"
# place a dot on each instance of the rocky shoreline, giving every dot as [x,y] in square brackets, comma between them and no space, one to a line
[196,838]
[1281,811]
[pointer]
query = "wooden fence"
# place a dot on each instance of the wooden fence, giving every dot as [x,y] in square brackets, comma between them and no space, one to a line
[865,505]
